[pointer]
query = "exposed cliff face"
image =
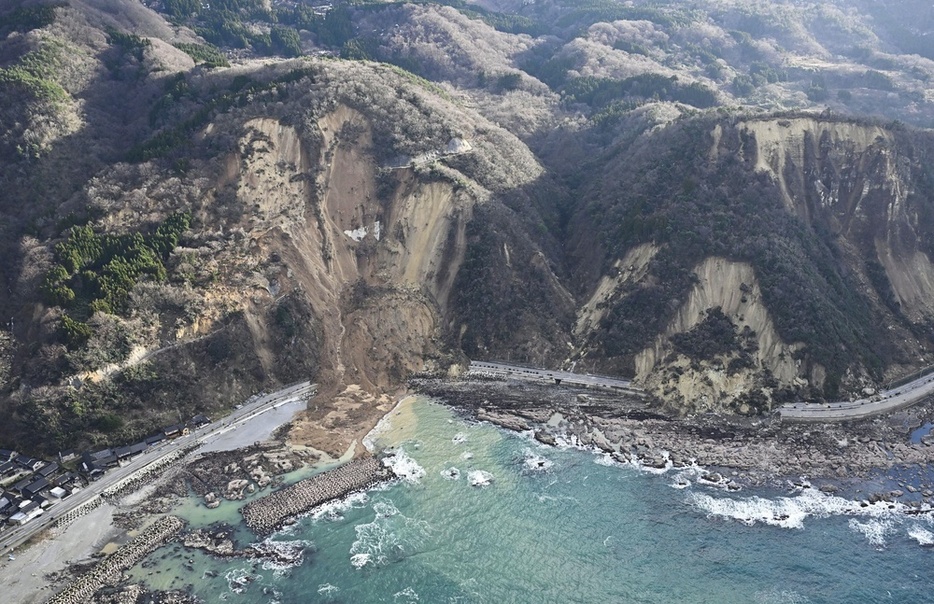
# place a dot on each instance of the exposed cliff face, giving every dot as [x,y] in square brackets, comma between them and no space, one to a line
[799,230]
[728,379]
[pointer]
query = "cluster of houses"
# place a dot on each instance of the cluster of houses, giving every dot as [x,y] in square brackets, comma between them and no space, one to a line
[28,486]
[31,485]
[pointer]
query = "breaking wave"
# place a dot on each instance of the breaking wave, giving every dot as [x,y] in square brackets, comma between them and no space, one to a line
[790,512]
[404,466]
[390,537]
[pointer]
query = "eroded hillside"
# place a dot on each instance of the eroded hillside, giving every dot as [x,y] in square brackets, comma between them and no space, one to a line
[597,186]
[786,257]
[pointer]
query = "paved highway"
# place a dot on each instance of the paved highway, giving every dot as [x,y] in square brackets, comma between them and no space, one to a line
[884,402]
[563,377]
[13,537]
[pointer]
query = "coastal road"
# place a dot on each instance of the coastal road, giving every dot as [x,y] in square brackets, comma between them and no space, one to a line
[883,402]
[254,407]
[547,375]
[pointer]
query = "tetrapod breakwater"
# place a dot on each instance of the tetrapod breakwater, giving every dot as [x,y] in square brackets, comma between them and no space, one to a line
[109,569]
[266,514]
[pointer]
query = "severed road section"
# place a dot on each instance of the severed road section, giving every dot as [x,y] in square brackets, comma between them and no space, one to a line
[14,537]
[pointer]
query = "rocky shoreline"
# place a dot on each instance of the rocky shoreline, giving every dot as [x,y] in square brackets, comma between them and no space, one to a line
[109,570]
[271,512]
[874,454]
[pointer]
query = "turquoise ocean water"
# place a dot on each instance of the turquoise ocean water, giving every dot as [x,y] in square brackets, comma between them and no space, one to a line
[485,515]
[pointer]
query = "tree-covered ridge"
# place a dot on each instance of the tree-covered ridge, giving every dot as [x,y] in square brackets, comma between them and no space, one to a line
[27,18]
[94,272]
[204,54]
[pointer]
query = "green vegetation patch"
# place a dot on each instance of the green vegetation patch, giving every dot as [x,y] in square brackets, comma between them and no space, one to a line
[204,54]
[27,18]
[36,72]
[95,272]
[600,93]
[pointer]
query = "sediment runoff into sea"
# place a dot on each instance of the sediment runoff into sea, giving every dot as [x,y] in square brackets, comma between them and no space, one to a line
[479,514]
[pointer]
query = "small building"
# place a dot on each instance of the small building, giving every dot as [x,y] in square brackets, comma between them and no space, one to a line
[67,455]
[176,430]
[58,493]
[48,470]
[7,468]
[30,463]
[198,421]
[22,484]
[26,513]
[35,487]
[90,466]
[67,479]
[7,454]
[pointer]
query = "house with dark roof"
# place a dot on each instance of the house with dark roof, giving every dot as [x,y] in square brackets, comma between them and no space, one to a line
[30,463]
[175,431]
[35,487]
[48,470]
[7,468]
[66,479]
[155,439]
[7,454]
[26,513]
[90,466]
[67,455]
[22,484]
[198,421]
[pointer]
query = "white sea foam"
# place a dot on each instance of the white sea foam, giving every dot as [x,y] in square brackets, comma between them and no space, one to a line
[404,466]
[466,455]
[326,589]
[536,463]
[333,511]
[680,482]
[789,512]
[479,478]
[873,530]
[921,535]
[451,473]
[280,556]
[783,596]
[390,536]
[381,427]
[406,595]
[238,579]
[605,459]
